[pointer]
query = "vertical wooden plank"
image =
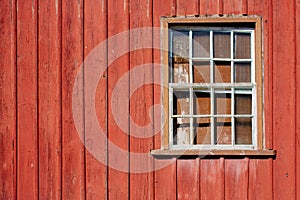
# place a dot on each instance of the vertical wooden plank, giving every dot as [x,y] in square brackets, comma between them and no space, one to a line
[73,180]
[297,99]
[235,7]
[187,8]
[27,137]
[118,21]
[264,9]
[261,171]
[212,176]
[211,7]
[8,100]
[236,178]
[260,179]
[95,32]
[141,142]
[165,177]
[284,99]
[188,172]
[49,95]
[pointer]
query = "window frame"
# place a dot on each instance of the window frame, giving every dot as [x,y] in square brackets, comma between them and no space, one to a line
[166,147]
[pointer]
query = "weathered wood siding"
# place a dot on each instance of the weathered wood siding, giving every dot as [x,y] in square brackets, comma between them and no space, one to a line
[42,46]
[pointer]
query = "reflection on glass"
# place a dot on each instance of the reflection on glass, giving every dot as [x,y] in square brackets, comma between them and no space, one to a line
[222,72]
[181,103]
[243,130]
[243,104]
[181,73]
[242,72]
[181,131]
[181,44]
[221,45]
[201,72]
[202,131]
[201,104]
[223,130]
[201,47]
[222,103]
[242,46]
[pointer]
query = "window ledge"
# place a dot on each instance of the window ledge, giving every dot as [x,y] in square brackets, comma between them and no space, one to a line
[161,153]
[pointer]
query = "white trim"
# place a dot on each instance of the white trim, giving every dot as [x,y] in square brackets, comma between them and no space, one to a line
[213,88]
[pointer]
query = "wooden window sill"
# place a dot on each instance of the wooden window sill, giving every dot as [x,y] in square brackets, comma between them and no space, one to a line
[213,153]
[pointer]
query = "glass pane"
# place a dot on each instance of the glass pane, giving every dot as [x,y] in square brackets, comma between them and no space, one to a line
[221,45]
[201,72]
[180,44]
[243,130]
[222,103]
[243,104]
[242,72]
[201,47]
[223,130]
[242,45]
[201,102]
[181,101]
[222,72]
[181,73]
[181,130]
[202,131]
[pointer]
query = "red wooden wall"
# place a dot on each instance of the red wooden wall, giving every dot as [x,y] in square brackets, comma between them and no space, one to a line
[42,45]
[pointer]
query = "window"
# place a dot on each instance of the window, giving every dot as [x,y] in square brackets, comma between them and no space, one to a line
[214,93]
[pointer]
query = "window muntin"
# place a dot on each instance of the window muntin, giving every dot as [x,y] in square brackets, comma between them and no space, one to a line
[212,88]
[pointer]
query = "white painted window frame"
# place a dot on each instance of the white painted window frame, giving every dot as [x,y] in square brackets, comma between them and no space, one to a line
[251,87]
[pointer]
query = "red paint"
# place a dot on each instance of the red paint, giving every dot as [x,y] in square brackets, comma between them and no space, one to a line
[8,101]
[27,107]
[236,178]
[118,13]
[42,47]
[49,95]
[187,8]
[165,178]
[94,33]
[73,176]
[141,100]
[284,99]
[212,176]
[188,176]
[260,177]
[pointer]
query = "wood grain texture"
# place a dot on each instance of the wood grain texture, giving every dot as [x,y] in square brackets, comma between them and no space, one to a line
[260,179]
[188,176]
[260,171]
[212,179]
[236,178]
[235,7]
[263,8]
[297,140]
[73,175]
[141,100]
[95,32]
[27,132]
[42,157]
[284,99]
[49,95]
[160,9]
[211,7]
[187,8]
[164,177]
[8,100]
[118,187]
